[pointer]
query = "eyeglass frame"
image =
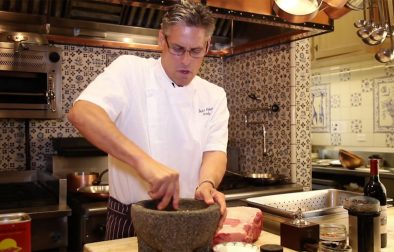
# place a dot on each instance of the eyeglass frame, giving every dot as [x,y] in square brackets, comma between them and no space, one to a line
[184,50]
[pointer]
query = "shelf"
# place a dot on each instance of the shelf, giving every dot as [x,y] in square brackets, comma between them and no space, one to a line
[344,171]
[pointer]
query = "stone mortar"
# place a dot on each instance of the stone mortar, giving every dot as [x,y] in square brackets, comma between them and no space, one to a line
[191,228]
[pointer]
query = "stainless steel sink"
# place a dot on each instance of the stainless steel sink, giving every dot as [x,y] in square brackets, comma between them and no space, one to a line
[320,206]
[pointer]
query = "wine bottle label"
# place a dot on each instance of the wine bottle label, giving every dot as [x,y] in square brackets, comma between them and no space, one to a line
[383,219]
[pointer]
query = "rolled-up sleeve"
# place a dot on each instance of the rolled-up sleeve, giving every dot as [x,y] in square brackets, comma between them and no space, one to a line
[109,88]
[218,126]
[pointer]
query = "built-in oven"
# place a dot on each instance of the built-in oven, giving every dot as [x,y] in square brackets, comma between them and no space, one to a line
[30,77]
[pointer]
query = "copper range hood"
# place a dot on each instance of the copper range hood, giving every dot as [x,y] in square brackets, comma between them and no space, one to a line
[241,25]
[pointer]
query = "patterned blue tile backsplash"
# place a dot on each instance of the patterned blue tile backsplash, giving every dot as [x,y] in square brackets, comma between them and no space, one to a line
[361,102]
[266,73]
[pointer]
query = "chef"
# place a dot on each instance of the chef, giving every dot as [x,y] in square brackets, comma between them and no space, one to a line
[164,128]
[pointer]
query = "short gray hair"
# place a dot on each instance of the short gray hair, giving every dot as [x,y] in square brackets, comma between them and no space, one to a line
[190,14]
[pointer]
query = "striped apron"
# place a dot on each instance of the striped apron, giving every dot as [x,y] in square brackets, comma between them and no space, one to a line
[119,224]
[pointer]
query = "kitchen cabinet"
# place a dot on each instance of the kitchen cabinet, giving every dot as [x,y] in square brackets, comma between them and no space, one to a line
[342,41]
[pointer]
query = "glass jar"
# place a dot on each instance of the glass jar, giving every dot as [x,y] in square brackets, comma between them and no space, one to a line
[327,246]
[333,234]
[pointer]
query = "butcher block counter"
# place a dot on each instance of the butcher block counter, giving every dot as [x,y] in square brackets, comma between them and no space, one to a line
[131,244]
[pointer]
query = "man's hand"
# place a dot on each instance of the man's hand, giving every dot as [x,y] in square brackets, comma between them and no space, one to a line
[210,195]
[164,183]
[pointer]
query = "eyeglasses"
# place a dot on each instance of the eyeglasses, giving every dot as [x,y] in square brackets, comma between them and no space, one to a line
[193,52]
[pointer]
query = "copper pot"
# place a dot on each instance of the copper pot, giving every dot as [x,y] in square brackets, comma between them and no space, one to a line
[334,3]
[299,11]
[334,8]
[77,180]
[336,12]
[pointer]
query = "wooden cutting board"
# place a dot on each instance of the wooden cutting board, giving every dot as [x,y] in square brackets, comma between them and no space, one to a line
[131,244]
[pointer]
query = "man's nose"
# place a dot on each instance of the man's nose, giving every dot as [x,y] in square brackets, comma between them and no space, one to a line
[186,58]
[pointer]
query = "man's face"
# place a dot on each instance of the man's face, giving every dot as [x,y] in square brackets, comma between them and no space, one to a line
[183,50]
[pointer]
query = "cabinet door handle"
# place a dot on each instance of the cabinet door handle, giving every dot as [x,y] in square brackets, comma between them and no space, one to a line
[316,48]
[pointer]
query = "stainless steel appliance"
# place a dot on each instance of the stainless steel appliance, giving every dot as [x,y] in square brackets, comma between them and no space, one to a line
[43,197]
[87,222]
[30,77]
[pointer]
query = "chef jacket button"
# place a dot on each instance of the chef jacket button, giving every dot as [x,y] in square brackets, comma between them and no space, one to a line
[149,93]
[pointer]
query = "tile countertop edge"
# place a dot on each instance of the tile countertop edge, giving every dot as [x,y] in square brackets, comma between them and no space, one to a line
[131,244]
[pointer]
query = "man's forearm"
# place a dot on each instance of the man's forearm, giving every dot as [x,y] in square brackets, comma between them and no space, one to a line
[96,126]
[213,167]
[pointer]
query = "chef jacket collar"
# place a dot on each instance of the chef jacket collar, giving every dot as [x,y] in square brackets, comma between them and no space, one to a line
[165,81]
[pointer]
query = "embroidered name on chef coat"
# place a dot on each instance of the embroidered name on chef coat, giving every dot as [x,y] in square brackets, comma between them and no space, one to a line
[206,111]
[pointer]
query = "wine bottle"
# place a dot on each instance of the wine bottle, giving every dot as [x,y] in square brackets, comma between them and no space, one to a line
[374,188]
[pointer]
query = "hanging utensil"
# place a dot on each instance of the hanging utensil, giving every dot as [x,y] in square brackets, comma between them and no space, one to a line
[365,31]
[381,32]
[362,22]
[372,27]
[369,28]
[387,54]
[297,11]
[371,42]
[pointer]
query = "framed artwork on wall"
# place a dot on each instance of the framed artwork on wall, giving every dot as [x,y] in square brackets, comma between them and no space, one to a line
[384,104]
[320,101]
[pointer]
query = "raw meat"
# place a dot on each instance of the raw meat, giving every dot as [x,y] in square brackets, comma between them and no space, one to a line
[242,224]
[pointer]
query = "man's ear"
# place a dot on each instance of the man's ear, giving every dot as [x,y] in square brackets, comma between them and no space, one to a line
[161,39]
[208,45]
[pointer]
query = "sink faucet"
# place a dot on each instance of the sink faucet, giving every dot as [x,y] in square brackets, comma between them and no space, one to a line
[97,181]
[264,141]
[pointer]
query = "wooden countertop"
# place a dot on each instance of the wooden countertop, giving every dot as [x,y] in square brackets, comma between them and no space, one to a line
[131,245]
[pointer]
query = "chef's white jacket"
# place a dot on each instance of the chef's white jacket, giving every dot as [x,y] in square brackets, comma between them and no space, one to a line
[175,125]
